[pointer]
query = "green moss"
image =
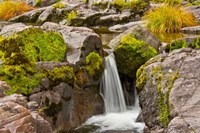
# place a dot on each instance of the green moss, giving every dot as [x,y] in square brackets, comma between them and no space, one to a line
[38,2]
[135,5]
[20,54]
[176,45]
[22,78]
[61,74]
[163,99]
[58,5]
[94,63]
[196,43]
[101,5]
[43,46]
[131,54]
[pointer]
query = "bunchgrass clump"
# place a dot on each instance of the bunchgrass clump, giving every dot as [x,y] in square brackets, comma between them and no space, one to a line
[10,9]
[169,19]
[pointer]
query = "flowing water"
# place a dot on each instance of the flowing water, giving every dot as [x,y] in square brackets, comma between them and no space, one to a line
[117,116]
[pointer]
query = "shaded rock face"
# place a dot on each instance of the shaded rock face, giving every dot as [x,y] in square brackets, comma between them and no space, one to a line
[66,107]
[80,40]
[169,95]
[140,33]
[15,118]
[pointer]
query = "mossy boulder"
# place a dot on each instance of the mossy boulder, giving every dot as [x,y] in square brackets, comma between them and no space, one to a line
[167,86]
[21,51]
[131,53]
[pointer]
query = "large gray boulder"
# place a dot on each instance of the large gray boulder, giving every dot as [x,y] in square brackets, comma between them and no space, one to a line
[80,40]
[140,33]
[168,87]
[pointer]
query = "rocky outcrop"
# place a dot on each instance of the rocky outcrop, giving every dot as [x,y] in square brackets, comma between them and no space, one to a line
[80,40]
[193,29]
[87,14]
[124,27]
[138,32]
[10,29]
[65,106]
[168,87]
[15,117]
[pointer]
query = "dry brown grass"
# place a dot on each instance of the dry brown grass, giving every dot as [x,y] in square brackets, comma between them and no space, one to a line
[10,9]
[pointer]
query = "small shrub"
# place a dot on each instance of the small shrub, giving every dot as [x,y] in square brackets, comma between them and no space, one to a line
[10,9]
[93,63]
[120,4]
[131,53]
[169,19]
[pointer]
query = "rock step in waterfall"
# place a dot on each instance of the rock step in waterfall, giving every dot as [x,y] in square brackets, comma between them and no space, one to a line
[117,116]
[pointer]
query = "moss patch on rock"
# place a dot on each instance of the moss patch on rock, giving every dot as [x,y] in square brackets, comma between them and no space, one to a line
[61,74]
[131,54]
[20,53]
[182,43]
[94,64]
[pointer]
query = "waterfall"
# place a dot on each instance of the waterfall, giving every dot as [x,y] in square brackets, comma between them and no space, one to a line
[117,116]
[111,88]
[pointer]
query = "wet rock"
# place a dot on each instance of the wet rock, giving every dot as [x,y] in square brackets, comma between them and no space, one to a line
[169,91]
[193,30]
[80,40]
[140,33]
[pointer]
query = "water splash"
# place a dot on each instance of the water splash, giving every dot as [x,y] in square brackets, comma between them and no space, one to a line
[117,116]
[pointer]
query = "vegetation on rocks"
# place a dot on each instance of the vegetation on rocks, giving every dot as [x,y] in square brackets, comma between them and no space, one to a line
[131,54]
[20,52]
[70,16]
[135,5]
[169,18]
[94,63]
[177,44]
[59,5]
[61,74]
[10,9]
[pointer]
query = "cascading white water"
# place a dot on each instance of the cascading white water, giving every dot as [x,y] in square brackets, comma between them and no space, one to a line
[111,88]
[117,116]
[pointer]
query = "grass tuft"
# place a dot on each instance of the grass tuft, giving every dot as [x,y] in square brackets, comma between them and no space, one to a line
[169,18]
[10,9]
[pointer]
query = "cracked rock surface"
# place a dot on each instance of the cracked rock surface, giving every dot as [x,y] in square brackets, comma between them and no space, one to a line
[169,91]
